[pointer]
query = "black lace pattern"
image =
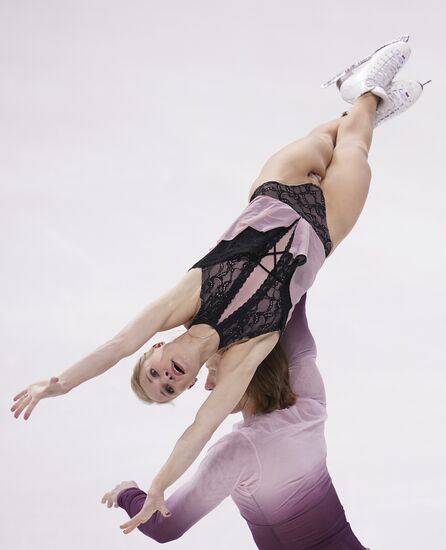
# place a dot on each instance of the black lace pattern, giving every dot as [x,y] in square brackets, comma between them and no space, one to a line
[227,267]
[307,199]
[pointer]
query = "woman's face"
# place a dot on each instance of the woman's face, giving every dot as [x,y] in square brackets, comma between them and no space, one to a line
[166,374]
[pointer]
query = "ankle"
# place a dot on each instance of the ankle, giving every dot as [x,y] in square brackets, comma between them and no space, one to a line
[369,99]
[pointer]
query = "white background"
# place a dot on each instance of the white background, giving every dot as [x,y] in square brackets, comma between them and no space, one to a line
[130,134]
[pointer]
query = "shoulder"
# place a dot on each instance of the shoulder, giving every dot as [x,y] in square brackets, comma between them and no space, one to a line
[249,352]
[233,459]
[231,462]
[181,301]
[234,447]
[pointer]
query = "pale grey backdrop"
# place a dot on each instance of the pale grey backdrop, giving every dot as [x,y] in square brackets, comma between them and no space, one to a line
[130,133]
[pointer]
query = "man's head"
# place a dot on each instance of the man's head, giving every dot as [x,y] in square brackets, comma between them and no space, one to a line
[269,389]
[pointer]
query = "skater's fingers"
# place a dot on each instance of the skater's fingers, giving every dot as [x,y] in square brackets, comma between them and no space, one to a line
[19,395]
[17,405]
[106,496]
[22,405]
[129,526]
[30,409]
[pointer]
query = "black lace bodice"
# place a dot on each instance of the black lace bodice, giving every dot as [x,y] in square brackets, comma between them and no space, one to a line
[307,199]
[234,264]
[245,288]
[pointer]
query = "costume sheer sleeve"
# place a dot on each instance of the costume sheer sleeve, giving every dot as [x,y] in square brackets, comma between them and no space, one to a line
[227,464]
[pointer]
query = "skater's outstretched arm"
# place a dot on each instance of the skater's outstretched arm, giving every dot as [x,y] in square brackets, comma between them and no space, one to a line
[174,308]
[228,463]
[232,461]
[236,369]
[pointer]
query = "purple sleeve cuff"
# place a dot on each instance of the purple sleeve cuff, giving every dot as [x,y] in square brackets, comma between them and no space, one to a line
[127,500]
[225,462]
[157,527]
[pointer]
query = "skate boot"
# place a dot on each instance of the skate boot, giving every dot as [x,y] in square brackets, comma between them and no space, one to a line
[401,95]
[374,73]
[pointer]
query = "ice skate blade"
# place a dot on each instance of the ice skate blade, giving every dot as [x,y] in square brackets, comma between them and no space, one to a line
[404,38]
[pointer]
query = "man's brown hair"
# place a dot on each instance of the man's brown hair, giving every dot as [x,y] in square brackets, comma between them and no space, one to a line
[270,387]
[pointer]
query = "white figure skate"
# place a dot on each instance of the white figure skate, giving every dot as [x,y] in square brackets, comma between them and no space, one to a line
[401,95]
[376,74]
[349,70]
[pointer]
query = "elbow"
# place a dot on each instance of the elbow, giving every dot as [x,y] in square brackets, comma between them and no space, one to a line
[165,535]
[201,430]
[161,529]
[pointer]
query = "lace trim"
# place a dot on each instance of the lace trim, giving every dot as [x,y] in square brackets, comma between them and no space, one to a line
[307,199]
[226,268]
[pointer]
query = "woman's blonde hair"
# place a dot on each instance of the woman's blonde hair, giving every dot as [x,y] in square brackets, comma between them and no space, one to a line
[134,381]
[269,388]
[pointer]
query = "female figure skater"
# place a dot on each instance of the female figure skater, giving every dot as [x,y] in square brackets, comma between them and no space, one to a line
[238,298]
[293,506]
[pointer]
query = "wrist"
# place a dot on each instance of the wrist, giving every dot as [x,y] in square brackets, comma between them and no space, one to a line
[125,492]
[157,486]
[66,385]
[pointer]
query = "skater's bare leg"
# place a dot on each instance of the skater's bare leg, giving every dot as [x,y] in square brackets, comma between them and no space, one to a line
[347,179]
[302,161]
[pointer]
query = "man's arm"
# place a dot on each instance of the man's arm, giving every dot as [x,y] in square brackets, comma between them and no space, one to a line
[297,339]
[300,347]
[226,463]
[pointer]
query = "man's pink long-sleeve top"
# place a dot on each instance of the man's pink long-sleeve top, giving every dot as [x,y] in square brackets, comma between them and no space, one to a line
[272,465]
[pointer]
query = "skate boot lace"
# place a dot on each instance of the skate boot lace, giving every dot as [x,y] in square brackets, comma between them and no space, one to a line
[383,73]
[399,99]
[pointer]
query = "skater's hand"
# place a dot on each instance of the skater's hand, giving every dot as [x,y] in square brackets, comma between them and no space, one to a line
[34,393]
[211,380]
[154,501]
[111,498]
[212,365]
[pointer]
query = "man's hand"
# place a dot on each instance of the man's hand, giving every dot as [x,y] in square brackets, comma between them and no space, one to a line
[212,365]
[111,498]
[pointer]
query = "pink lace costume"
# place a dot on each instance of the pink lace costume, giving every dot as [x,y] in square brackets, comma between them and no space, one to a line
[264,263]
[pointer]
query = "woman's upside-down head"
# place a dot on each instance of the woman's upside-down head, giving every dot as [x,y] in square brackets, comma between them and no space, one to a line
[158,378]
